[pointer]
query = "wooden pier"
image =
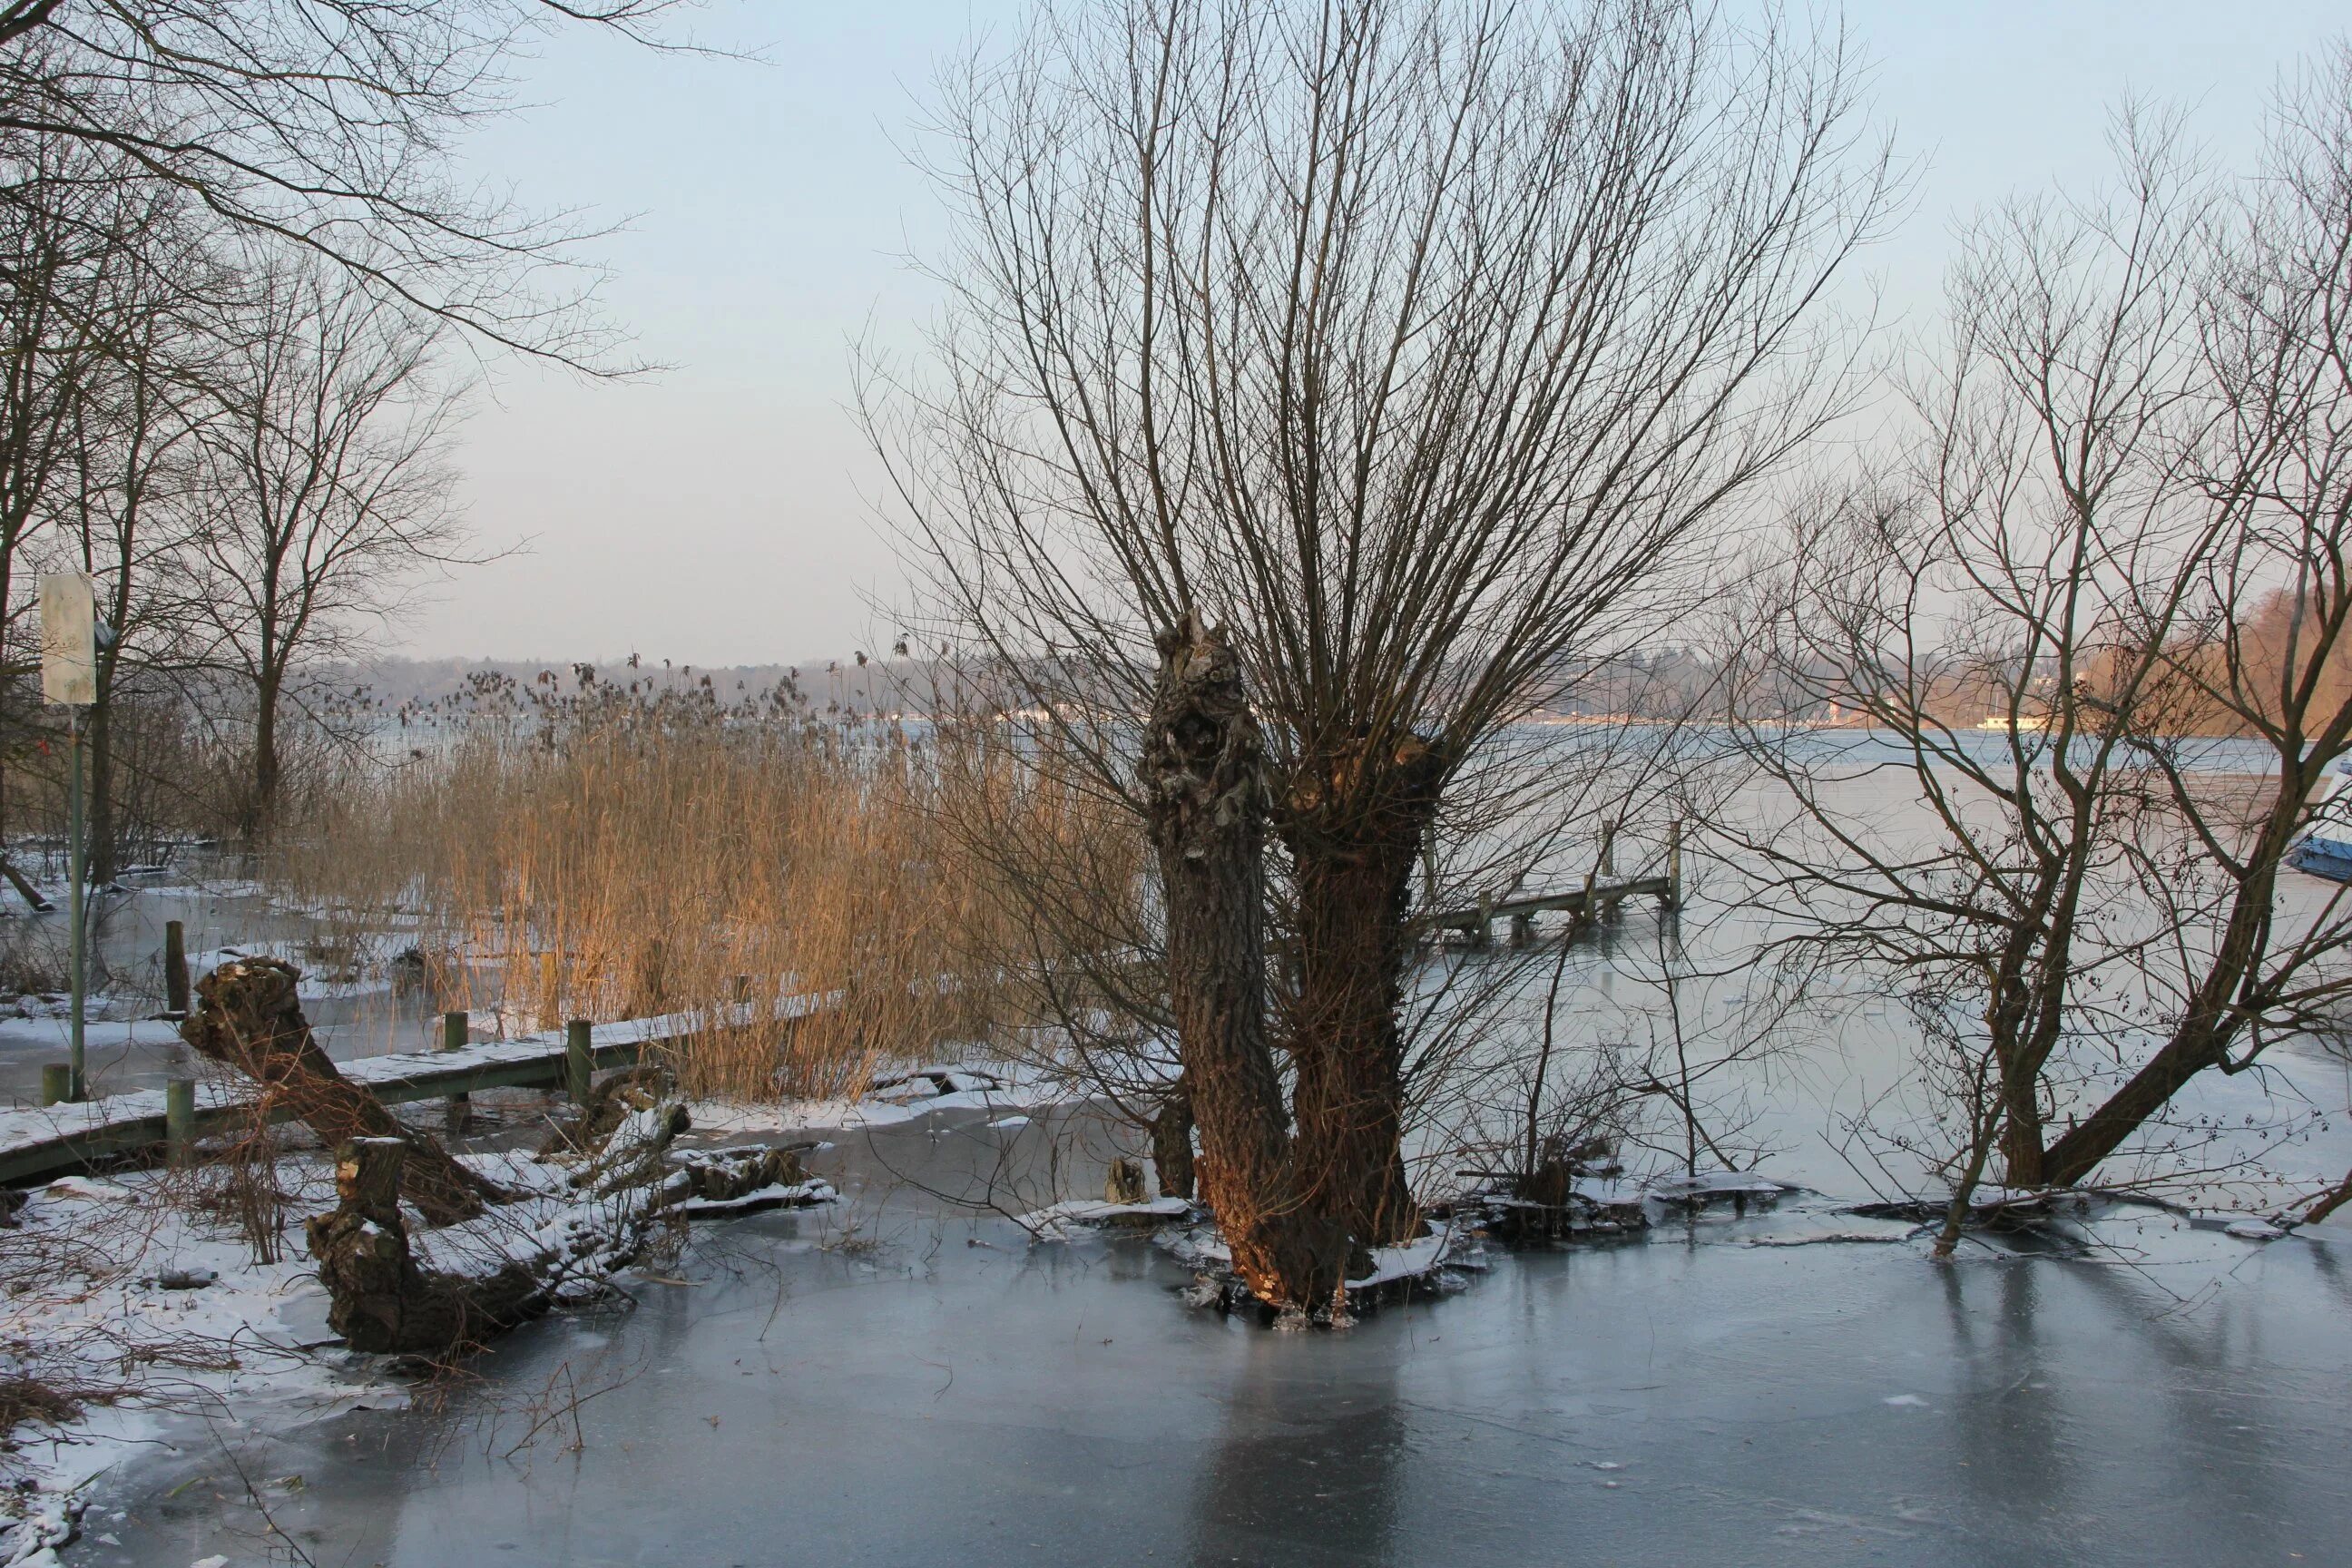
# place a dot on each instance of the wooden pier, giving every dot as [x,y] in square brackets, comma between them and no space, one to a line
[1598,902]
[1597,899]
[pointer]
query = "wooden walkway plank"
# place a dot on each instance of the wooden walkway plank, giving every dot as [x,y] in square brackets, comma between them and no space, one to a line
[38,1143]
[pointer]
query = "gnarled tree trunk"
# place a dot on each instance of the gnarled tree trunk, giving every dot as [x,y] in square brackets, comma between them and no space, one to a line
[1202,775]
[1355,835]
[248,1014]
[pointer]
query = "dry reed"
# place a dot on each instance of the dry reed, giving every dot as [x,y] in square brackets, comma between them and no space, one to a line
[599,852]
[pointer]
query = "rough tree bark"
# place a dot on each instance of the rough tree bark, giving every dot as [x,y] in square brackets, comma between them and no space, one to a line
[248,1014]
[1355,835]
[1202,778]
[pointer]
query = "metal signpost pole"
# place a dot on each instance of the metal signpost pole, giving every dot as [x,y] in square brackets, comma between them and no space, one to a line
[69,677]
[77,857]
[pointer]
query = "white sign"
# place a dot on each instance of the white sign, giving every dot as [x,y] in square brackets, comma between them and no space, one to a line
[68,638]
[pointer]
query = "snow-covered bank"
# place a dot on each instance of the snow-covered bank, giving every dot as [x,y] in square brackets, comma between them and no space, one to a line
[155,1308]
[139,1300]
[902,1097]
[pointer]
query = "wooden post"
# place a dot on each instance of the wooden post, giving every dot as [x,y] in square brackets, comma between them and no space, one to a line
[1674,864]
[461,1109]
[57,1082]
[579,1060]
[179,1119]
[1484,932]
[1523,929]
[175,969]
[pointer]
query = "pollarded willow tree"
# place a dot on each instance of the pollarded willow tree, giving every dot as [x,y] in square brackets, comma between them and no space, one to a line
[1318,385]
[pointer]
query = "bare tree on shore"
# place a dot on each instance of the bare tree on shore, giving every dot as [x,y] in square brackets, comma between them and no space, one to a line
[2123,526]
[127,507]
[62,254]
[1361,367]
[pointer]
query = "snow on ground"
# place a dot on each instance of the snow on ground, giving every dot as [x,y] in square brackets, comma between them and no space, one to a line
[1004,1086]
[319,982]
[86,1301]
[1446,1246]
[19,1032]
[1417,1260]
[1061,1221]
[139,1291]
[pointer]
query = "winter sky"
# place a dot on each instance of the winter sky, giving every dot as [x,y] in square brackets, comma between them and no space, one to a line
[720,512]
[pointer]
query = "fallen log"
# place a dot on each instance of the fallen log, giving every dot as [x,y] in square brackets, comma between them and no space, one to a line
[248,1016]
[596,1210]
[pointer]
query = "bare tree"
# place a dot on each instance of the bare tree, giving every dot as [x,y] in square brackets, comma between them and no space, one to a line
[126,504]
[322,125]
[59,255]
[1405,354]
[2273,603]
[329,485]
[2118,540]
[1997,576]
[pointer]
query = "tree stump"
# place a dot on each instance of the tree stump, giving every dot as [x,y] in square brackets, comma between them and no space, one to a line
[380,1299]
[248,1016]
[1124,1183]
[623,1190]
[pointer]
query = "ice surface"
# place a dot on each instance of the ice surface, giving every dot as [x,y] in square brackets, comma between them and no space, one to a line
[916,1400]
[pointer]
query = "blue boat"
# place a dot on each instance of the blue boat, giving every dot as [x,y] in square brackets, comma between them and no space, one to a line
[2326,847]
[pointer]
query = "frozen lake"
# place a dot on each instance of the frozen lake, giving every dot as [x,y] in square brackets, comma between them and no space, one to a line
[894,1383]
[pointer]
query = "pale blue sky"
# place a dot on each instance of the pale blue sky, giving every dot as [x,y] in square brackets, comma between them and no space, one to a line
[716,513]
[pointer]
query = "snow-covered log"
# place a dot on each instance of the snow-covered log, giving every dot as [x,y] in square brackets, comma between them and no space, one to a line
[584,1213]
